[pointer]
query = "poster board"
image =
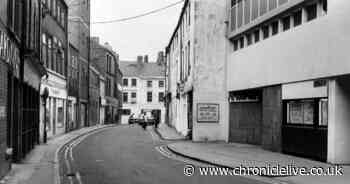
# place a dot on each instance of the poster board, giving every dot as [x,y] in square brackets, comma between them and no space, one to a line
[208,113]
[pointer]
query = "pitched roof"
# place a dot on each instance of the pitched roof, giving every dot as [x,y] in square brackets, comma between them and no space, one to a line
[135,69]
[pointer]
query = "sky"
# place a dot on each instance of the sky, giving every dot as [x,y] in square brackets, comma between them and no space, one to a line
[143,36]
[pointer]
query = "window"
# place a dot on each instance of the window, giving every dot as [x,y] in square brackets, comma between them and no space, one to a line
[161,97]
[300,112]
[249,39]
[241,42]
[239,13]
[149,84]
[125,97]
[286,23]
[265,31]
[274,26]
[247,11]
[311,112]
[255,9]
[311,11]
[233,18]
[257,36]
[235,45]
[149,96]
[133,95]
[281,2]
[263,7]
[133,82]
[161,84]
[125,82]
[126,112]
[297,18]
[272,4]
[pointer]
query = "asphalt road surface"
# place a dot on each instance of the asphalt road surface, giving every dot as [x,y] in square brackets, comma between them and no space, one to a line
[127,155]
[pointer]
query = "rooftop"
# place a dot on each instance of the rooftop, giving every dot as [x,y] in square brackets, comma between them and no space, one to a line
[142,69]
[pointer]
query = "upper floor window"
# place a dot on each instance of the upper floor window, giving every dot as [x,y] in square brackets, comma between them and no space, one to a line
[286,23]
[311,11]
[125,97]
[133,95]
[297,17]
[161,84]
[133,82]
[149,84]
[125,82]
[161,97]
[149,96]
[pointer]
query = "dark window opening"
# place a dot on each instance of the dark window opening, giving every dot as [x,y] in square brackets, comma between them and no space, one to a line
[149,96]
[241,42]
[274,26]
[249,39]
[133,82]
[265,31]
[257,36]
[311,12]
[235,45]
[297,18]
[286,23]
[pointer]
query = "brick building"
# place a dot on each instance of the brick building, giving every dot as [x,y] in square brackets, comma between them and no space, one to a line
[108,63]
[54,56]
[79,38]
[21,71]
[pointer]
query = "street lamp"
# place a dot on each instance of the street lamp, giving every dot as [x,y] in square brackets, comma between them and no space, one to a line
[44,97]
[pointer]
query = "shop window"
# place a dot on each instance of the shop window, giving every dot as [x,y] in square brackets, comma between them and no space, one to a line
[311,11]
[286,23]
[323,112]
[274,26]
[312,112]
[300,112]
[297,18]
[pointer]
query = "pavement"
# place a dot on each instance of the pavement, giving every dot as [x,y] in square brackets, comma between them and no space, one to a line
[169,133]
[233,155]
[41,165]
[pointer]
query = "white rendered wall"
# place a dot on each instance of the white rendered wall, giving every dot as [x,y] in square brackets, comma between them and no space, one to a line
[315,49]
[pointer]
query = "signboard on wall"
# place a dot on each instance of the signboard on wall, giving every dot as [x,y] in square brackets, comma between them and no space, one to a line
[208,113]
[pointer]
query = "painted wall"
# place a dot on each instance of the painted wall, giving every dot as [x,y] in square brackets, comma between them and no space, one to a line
[339,121]
[313,50]
[209,80]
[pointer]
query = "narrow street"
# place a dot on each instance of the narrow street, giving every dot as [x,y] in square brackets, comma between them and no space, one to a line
[127,154]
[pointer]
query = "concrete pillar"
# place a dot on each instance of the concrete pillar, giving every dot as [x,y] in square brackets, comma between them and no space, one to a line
[339,122]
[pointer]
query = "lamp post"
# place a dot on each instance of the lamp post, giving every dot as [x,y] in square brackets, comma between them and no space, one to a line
[44,97]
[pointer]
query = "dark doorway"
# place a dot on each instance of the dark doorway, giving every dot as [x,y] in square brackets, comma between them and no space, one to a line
[190,113]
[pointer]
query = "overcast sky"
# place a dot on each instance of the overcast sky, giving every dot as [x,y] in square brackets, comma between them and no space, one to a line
[146,35]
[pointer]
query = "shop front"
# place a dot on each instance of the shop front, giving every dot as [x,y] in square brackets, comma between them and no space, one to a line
[55,106]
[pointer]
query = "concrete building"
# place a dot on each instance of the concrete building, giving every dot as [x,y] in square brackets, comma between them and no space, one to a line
[300,95]
[54,56]
[143,87]
[196,71]
[107,62]
[268,67]
[79,38]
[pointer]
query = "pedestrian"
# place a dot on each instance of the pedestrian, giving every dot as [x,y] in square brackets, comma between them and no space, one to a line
[156,119]
[143,117]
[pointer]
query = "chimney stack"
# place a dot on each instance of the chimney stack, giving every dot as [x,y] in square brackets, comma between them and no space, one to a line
[139,59]
[160,59]
[145,59]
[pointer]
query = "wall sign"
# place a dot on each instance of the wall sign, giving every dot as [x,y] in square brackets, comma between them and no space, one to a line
[208,113]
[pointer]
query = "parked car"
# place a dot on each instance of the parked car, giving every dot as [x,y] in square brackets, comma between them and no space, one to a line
[149,119]
[133,119]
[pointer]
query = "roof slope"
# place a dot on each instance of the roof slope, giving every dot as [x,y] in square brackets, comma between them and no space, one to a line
[135,69]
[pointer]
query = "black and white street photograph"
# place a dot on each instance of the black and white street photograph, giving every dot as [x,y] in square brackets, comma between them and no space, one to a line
[174,92]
